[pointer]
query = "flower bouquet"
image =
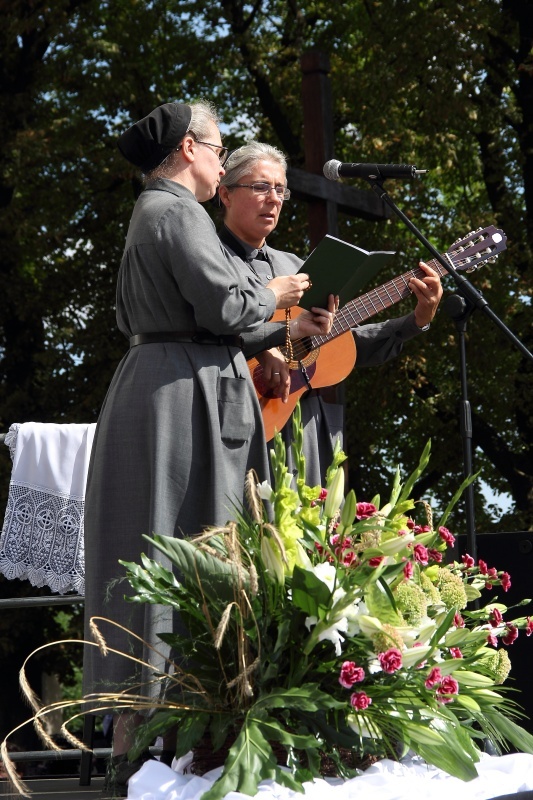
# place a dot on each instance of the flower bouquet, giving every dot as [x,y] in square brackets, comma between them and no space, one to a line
[319,632]
[318,626]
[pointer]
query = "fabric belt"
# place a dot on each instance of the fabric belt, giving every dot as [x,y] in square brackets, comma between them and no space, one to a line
[185,337]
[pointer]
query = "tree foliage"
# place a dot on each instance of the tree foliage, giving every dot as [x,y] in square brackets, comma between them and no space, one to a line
[447,85]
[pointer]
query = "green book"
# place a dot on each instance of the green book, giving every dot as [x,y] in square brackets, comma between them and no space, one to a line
[337,267]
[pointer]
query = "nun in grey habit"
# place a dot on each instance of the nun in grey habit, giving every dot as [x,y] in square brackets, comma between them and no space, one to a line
[180,425]
[252,193]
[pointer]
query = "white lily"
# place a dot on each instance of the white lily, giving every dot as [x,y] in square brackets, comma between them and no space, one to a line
[395,545]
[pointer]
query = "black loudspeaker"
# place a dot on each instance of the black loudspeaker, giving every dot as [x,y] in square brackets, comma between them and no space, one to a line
[511,551]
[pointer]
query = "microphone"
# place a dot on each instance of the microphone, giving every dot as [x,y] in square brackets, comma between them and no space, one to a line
[333,170]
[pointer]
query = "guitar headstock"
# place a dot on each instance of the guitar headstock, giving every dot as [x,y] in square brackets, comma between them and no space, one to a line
[479,246]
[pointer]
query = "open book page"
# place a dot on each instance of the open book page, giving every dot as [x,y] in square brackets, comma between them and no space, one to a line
[337,267]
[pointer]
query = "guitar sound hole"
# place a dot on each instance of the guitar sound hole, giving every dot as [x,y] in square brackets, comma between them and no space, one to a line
[303,353]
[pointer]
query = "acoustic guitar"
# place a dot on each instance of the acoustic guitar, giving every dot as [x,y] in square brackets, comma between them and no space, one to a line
[319,361]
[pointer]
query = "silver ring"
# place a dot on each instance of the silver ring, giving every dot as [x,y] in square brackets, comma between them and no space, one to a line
[275,373]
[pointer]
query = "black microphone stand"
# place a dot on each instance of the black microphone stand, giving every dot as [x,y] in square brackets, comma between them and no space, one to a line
[460,311]
[471,299]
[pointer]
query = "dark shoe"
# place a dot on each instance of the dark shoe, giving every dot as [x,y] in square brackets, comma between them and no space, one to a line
[119,771]
[167,757]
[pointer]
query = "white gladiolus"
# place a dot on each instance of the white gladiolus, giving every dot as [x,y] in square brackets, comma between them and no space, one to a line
[335,494]
[265,491]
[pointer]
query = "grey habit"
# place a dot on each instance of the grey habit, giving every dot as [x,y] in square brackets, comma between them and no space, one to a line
[376,343]
[180,425]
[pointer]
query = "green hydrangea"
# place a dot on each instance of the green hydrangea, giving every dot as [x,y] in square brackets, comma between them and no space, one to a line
[388,637]
[429,588]
[499,664]
[411,601]
[451,589]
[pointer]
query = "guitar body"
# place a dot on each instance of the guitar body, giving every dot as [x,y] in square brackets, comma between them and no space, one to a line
[325,366]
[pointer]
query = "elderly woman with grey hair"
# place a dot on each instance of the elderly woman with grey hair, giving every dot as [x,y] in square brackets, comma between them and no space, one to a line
[180,425]
[252,192]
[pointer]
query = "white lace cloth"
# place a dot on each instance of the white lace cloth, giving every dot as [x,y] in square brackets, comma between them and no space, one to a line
[385,780]
[42,535]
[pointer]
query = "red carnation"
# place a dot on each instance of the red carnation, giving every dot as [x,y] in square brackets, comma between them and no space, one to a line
[360,701]
[448,686]
[350,673]
[391,660]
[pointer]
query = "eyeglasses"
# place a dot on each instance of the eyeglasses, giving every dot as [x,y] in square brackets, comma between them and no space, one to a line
[260,187]
[221,152]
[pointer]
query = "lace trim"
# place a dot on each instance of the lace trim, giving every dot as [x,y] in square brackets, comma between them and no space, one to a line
[42,539]
[11,439]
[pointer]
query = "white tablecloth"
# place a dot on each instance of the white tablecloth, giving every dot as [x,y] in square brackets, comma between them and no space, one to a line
[42,535]
[386,780]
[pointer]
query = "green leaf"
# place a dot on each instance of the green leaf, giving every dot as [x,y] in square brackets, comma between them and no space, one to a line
[455,499]
[304,698]
[455,755]
[309,593]
[407,488]
[381,604]
[218,579]
[250,760]
[515,734]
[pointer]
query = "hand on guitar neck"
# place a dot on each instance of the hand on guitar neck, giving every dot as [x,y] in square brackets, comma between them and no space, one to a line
[428,291]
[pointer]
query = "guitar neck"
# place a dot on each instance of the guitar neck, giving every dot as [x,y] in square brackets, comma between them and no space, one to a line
[362,308]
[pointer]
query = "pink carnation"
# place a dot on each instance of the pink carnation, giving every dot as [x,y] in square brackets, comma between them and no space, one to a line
[350,673]
[448,686]
[391,660]
[529,626]
[422,529]
[483,569]
[458,621]
[349,559]
[408,570]
[506,581]
[434,678]
[446,536]
[495,617]
[360,701]
[435,555]
[421,554]
[467,560]
[365,510]
[375,561]
[492,640]
[511,634]
[455,652]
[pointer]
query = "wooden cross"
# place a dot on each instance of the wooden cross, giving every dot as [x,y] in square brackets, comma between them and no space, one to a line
[324,197]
